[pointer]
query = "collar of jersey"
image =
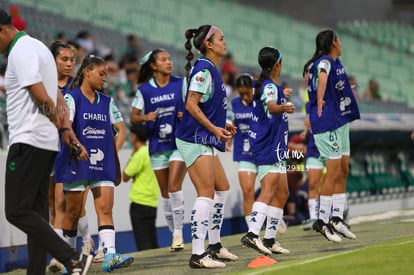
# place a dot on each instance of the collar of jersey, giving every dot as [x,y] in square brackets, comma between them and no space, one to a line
[16,37]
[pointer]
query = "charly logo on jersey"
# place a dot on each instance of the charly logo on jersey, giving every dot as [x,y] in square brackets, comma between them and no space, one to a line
[96,155]
[161,98]
[165,130]
[93,116]
[340,85]
[164,111]
[93,133]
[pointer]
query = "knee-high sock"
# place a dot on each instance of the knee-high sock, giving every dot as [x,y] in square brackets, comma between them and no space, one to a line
[107,236]
[83,228]
[274,216]
[313,205]
[177,206]
[199,223]
[216,217]
[259,213]
[166,206]
[325,208]
[338,204]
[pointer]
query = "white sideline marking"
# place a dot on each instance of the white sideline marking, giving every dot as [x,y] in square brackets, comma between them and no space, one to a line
[412,241]
[315,260]
[382,216]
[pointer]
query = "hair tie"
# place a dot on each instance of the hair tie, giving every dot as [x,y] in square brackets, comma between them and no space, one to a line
[145,58]
[210,33]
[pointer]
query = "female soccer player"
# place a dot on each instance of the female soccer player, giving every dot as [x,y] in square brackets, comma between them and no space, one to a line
[268,137]
[92,114]
[159,103]
[203,130]
[332,108]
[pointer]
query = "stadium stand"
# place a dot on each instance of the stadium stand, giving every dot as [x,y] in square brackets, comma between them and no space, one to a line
[246,31]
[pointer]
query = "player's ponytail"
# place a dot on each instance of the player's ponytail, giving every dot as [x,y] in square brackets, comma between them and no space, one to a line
[268,57]
[146,72]
[199,36]
[323,44]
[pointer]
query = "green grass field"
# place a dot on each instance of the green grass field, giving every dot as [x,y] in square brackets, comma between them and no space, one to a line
[384,245]
[392,257]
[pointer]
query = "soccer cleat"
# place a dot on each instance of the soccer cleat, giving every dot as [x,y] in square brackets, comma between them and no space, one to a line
[253,241]
[282,227]
[81,266]
[341,227]
[99,256]
[205,261]
[308,224]
[217,251]
[326,230]
[55,266]
[115,260]
[87,247]
[177,243]
[275,246]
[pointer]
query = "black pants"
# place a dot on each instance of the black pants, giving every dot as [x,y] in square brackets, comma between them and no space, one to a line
[143,223]
[26,205]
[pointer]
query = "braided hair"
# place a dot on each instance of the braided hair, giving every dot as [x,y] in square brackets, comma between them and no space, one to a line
[198,36]
[323,43]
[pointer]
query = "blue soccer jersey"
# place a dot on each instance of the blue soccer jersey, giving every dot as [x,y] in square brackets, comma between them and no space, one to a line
[340,104]
[206,79]
[166,101]
[242,118]
[92,124]
[269,133]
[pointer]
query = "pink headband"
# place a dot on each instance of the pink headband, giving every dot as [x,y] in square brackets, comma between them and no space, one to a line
[210,33]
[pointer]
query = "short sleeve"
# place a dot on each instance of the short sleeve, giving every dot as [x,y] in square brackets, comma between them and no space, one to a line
[324,65]
[270,92]
[138,102]
[201,82]
[114,113]
[71,105]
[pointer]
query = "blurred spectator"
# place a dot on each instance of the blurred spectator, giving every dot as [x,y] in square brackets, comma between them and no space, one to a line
[87,42]
[131,85]
[354,87]
[229,65]
[79,54]
[372,92]
[132,49]
[17,21]
[226,76]
[61,36]
[114,79]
